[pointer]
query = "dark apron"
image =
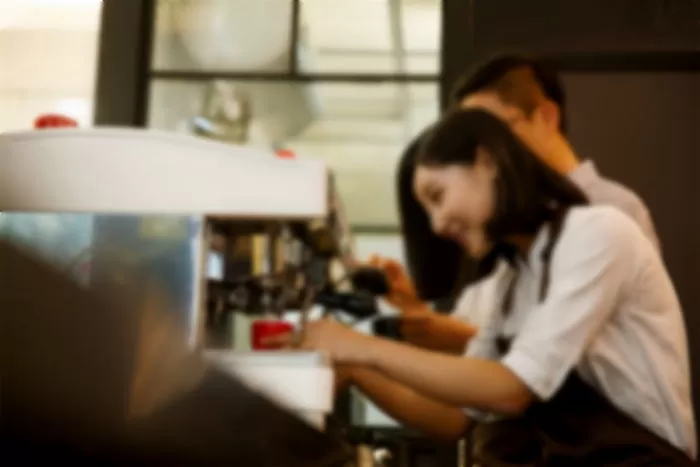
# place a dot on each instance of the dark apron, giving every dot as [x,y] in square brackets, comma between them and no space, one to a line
[577,427]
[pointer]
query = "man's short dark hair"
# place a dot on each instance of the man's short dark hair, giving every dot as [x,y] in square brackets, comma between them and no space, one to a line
[518,80]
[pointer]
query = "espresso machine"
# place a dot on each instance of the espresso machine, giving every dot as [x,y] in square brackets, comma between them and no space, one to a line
[104,206]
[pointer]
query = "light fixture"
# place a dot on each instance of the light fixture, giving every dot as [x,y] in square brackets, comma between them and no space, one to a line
[234,35]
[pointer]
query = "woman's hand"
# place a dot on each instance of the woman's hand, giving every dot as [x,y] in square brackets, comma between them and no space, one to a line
[343,374]
[342,343]
[402,294]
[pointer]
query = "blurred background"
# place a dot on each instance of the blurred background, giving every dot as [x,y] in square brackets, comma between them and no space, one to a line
[49,54]
[350,82]
[356,119]
[371,82]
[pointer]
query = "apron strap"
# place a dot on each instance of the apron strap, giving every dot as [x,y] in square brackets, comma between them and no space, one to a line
[554,233]
[555,226]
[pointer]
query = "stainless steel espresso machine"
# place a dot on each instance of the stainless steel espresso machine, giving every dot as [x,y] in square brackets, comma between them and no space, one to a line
[216,229]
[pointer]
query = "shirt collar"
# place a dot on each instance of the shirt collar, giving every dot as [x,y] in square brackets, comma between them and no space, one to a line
[585,173]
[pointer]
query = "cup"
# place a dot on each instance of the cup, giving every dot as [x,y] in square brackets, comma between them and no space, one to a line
[265,328]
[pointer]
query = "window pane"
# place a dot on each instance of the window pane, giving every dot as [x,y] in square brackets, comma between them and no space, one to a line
[223,35]
[360,130]
[370,36]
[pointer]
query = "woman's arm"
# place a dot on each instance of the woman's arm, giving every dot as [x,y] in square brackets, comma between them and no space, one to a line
[437,420]
[593,261]
[459,381]
[433,331]
[475,381]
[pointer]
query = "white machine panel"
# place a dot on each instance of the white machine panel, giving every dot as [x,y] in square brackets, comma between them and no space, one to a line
[299,381]
[136,171]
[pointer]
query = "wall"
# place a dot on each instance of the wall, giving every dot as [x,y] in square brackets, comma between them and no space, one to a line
[641,129]
[46,70]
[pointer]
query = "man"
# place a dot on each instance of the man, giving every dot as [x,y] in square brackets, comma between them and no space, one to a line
[526,94]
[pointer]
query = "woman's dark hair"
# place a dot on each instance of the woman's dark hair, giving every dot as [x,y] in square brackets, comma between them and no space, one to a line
[528,193]
[421,245]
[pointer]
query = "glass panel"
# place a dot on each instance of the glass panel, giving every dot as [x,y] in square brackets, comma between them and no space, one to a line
[360,130]
[370,36]
[224,35]
[92,247]
[62,239]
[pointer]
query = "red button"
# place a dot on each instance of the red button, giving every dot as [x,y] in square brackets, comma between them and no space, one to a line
[54,121]
[286,154]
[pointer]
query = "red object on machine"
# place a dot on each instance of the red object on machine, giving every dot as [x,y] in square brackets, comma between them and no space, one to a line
[54,121]
[265,328]
[286,154]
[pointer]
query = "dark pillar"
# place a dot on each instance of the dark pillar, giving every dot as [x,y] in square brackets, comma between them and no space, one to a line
[121,96]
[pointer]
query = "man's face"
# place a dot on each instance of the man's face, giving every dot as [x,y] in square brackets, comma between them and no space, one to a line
[536,130]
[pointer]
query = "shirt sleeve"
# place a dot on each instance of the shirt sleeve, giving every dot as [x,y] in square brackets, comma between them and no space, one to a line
[643,218]
[589,267]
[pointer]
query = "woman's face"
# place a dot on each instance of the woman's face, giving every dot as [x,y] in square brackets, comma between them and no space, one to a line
[459,201]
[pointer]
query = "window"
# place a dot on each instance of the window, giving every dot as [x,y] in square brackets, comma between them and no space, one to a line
[346,82]
[349,83]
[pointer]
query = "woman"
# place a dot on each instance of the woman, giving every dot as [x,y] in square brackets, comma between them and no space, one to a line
[580,356]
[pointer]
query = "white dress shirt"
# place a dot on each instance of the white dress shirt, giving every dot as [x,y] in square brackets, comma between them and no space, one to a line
[601,190]
[611,313]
